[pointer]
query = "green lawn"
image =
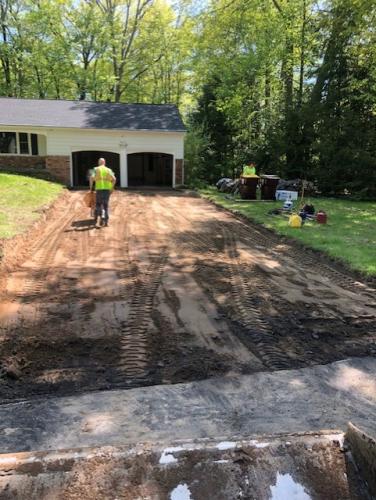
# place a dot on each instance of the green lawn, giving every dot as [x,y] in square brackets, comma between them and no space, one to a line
[350,234]
[21,198]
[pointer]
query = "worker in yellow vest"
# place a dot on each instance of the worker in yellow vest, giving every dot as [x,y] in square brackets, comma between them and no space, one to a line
[249,170]
[104,180]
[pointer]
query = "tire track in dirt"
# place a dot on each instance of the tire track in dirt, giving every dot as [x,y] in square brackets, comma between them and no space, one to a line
[27,298]
[247,311]
[333,284]
[140,289]
[273,244]
[248,282]
[136,284]
[128,270]
[252,235]
[309,262]
[44,252]
[203,335]
[242,293]
[135,332]
[300,350]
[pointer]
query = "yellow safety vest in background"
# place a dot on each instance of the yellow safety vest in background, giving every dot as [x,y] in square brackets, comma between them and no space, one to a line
[103,178]
[249,170]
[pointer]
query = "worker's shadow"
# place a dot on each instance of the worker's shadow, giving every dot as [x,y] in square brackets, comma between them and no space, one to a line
[82,225]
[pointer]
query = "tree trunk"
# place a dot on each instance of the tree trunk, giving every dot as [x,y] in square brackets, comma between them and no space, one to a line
[288,75]
[41,91]
[288,87]
[5,61]
[302,54]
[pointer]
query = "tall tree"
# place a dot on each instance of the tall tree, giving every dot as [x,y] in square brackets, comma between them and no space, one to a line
[123,20]
[5,48]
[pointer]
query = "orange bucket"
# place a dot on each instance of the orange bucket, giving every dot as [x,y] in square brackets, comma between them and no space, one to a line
[89,199]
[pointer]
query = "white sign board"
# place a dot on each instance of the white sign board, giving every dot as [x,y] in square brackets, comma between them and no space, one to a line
[286,195]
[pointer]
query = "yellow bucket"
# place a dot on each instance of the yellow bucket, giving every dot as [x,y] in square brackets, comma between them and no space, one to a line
[295,220]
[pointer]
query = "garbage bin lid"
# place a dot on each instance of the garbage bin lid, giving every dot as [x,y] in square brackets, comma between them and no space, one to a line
[270,176]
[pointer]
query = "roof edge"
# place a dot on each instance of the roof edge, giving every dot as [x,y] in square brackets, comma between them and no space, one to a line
[170,131]
[89,102]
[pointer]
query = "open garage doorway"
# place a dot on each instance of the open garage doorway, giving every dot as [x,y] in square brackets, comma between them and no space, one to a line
[150,169]
[83,161]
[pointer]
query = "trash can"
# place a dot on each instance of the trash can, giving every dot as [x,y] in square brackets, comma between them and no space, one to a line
[269,185]
[248,186]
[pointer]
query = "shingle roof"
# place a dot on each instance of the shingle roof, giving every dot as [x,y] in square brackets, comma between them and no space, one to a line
[93,115]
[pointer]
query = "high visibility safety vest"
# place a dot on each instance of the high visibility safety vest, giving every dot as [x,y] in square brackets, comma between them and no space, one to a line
[103,178]
[249,170]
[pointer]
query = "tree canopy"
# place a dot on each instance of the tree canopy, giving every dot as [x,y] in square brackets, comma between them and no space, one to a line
[290,84]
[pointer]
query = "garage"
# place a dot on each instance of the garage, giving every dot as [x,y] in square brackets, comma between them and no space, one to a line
[83,161]
[150,169]
[142,143]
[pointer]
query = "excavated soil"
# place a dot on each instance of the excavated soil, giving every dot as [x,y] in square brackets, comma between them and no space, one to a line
[173,290]
[287,467]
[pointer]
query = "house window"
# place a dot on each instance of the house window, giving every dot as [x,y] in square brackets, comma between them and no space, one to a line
[24,143]
[34,144]
[8,142]
[18,143]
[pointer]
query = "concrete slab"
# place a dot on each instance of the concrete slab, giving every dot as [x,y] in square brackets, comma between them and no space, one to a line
[321,397]
[293,467]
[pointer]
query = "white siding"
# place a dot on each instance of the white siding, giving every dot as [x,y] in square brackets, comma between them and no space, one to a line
[65,141]
[155,142]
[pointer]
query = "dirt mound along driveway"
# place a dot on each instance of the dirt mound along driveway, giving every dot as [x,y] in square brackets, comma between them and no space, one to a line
[174,290]
[291,466]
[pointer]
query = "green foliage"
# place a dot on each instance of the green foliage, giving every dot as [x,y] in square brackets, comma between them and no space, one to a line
[295,89]
[92,49]
[196,145]
[343,106]
[216,157]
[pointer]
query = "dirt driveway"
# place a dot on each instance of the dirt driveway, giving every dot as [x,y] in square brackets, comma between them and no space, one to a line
[173,290]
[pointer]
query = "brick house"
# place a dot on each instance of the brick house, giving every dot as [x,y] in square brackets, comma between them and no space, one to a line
[142,143]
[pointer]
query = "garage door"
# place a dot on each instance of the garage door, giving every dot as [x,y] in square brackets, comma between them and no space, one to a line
[83,161]
[150,169]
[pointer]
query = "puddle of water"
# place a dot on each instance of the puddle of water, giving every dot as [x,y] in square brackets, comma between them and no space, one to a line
[258,444]
[181,492]
[167,458]
[287,489]
[226,445]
